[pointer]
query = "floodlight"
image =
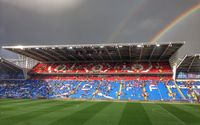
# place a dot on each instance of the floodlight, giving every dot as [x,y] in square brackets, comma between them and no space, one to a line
[19,47]
[157,45]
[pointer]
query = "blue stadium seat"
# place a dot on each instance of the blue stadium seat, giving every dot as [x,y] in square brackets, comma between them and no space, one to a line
[93,89]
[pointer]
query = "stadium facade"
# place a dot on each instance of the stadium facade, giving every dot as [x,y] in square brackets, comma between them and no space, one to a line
[123,71]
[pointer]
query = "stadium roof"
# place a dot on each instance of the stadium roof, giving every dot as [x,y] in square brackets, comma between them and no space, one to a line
[98,52]
[6,66]
[190,64]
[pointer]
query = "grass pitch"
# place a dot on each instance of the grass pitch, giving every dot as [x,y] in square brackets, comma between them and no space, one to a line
[62,112]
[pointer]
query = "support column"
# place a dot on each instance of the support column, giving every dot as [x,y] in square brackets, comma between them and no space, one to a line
[174,71]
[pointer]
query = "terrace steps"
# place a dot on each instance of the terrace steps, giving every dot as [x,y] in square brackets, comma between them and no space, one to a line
[180,92]
[119,92]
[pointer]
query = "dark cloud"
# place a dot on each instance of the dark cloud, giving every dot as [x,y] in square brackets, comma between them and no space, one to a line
[85,21]
[186,30]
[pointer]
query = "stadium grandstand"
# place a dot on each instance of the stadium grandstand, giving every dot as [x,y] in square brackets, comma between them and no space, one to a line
[122,71]
[9,70]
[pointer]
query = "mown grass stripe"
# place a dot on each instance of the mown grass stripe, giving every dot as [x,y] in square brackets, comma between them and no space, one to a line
[110,115]
[45,112]
[54,116]
[7,101]
[184,116]
[134,114]
[31,115]
[80,117]
[20,103]
[20,106]
[196,107]
[160,116]
[191,109]
[29,109]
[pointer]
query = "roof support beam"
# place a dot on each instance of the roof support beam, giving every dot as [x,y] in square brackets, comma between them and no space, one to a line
[57,54]
[28,54]
[79,55]
[152,53]
[92,58]
[141,52]
[36,53]
[119,53]
[181,61]
[164,52]
[8,66]
[98,54]
[86,53]
[191,64]
[12,64]
[64,52]
[108,54]
[74,58]
[82,57]
[44,51]
[130,52]
[61,53]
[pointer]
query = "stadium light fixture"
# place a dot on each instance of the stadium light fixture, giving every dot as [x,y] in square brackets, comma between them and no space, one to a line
[170,44]
[19,47]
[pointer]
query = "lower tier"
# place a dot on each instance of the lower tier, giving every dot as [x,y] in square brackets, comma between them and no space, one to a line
[100,89]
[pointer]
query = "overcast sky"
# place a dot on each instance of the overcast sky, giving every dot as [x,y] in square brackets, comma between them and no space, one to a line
[26,22]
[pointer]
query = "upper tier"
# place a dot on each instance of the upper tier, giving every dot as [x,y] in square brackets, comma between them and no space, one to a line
[102,68]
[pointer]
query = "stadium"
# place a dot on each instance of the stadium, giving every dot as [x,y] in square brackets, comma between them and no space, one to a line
[116,83]
[99,62]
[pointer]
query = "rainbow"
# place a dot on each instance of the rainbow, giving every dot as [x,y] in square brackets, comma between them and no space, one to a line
[122,25]
[174,22]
